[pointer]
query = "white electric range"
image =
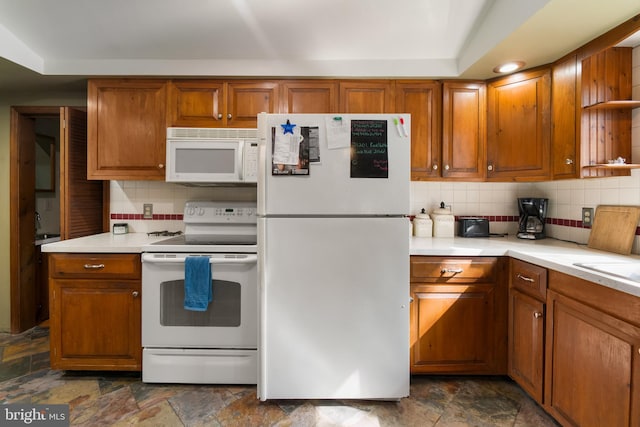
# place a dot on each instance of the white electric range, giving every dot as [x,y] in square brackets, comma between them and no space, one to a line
[219,345]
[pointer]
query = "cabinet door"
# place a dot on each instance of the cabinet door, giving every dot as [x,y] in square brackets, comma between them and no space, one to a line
[196,103]
[457,329]
[464,130]
[592,366]
[362,96]
[95,324]
[564,113]
[518,127]
[526,343]
[422,101]
[308,97]
[126,121]
[246,99]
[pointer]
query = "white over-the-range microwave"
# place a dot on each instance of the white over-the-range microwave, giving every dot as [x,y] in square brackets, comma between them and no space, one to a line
[202,156]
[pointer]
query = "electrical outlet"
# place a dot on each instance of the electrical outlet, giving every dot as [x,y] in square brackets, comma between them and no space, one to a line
[147,211]
[587,217]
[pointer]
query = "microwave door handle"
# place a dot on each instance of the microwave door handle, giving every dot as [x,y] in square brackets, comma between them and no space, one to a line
[240,165]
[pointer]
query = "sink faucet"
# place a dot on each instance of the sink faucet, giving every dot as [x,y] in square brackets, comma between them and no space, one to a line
[38,225]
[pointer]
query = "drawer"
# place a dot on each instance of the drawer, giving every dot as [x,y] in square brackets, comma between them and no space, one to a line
[529,278]
[103,266]
[454,269]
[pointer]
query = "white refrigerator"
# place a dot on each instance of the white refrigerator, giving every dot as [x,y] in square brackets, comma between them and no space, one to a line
[333,250]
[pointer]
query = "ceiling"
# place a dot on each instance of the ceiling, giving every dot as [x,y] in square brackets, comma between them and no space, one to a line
[48,44]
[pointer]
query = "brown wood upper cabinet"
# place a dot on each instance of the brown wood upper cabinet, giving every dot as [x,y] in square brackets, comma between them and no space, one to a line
[565,119]
[309,96]
[126,129]
[366,96]
[464,141]
[422,100]
[215,103]
[518,127]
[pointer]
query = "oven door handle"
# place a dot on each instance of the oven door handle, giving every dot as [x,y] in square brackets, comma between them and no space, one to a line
[213,259]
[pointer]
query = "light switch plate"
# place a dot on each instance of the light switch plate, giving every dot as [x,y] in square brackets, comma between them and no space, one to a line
[147,211]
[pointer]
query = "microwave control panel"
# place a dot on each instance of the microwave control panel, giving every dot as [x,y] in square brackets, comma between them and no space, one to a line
[251,162]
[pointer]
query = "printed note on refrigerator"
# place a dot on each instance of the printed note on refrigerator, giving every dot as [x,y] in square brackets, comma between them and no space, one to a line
[338,132]
[290,153]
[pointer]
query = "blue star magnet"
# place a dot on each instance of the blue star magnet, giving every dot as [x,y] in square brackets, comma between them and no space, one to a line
[288,127]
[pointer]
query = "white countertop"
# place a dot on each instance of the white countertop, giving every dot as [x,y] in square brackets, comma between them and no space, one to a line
[104,243]
[549,253]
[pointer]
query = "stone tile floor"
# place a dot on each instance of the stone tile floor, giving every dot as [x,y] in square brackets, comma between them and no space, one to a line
[121,399]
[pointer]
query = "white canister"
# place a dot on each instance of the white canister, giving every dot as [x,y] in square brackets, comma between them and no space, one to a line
[443,221]
[422,225]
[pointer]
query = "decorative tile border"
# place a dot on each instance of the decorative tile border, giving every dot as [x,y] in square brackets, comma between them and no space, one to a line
[492,218]
[159,217]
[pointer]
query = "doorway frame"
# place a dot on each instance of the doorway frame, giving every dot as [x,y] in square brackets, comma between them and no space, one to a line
[17,305]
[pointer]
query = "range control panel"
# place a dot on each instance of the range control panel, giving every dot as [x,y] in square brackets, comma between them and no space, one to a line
[198,212]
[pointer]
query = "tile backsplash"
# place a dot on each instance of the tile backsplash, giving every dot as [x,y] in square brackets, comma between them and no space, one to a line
[128,198]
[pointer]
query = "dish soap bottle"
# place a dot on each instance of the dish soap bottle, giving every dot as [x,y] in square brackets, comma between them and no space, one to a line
[443,221]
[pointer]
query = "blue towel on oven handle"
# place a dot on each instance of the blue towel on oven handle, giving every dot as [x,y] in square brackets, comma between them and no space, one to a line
[197,283]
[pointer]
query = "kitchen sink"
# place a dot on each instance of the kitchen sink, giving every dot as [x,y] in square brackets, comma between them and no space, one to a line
[625,270]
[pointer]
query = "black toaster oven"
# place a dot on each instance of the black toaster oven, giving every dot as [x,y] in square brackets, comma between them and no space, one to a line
[473,227]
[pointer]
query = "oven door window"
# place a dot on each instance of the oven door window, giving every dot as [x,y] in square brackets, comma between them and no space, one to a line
[223,311]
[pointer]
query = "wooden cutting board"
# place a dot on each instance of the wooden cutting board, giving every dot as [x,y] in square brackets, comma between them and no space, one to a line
[614,228]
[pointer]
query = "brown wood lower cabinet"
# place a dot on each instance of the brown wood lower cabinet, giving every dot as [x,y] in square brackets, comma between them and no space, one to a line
[458,315]
[592,370]
[95,311]
[527,296]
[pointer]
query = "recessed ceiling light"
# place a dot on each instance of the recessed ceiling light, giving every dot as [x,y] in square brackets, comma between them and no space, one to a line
[509,67]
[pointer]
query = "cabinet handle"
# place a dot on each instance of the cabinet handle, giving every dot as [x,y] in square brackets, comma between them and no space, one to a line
[160,166]
[537,314]
[490,167]
[135,294]
[229,116]
[451,270]
[219,116]
[93,266]
[568,161]
[525,278]
[446,167]
[434,167]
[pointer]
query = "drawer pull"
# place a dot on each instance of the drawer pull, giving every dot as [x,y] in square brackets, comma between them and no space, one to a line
[93,266]
[451,270]
[537,314]
[135,294]
[525,278]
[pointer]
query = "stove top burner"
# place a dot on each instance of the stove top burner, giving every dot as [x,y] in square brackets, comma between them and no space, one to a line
[164,233]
